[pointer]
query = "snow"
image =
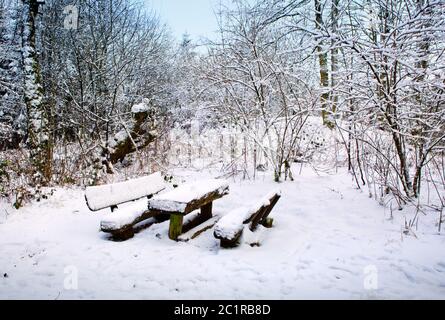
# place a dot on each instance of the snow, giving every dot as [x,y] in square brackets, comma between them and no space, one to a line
[140,107]
[327,237]
[99,197]
[177,199]
[186,236]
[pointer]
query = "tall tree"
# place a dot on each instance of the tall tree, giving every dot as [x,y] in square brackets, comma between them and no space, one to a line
[334,52]
[12,111]
[323,65]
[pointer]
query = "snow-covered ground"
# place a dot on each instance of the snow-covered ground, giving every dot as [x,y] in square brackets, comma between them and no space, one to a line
[329,240]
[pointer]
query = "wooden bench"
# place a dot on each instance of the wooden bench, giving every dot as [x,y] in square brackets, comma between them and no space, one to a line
[186,198]
[120,222]
[230,227]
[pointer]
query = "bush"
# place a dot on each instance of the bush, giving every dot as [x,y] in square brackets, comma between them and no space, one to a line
[4,177]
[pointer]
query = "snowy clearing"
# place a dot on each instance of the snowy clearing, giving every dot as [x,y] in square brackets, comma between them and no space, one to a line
[327,241]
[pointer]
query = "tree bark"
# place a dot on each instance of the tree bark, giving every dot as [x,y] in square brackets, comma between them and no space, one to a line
[334,54]
[323,63]
[38,140]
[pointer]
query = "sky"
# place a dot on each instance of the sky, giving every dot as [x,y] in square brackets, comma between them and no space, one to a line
[195,17]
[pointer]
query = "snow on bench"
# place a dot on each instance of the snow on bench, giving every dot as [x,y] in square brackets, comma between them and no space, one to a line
[230,227]
[111,195]
[126,217]
[187,198]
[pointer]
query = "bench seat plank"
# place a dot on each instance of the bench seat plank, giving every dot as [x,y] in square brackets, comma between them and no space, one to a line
[196,231]
[104,196]
[126,217]
[230,225]
[189,196]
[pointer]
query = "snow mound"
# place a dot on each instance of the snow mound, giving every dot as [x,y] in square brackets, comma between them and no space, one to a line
[177,199]
[123,216]
[232,223]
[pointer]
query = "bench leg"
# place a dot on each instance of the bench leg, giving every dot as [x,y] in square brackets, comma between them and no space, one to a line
[123,235]
[261,217]
[206,211]
[203,216]
[232,243]
[175,228]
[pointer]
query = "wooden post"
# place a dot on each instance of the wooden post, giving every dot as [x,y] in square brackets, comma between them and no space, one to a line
[175,228]
[266,213]
[231,243]
[203,216]
[227,244]
[268,222]
[206,211]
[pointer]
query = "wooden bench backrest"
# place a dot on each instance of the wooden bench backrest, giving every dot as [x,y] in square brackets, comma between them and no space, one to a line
[263,212]
[191,196]
[100,197]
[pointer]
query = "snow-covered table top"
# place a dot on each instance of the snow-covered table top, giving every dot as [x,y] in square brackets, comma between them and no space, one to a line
[189,196]
[230,225]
